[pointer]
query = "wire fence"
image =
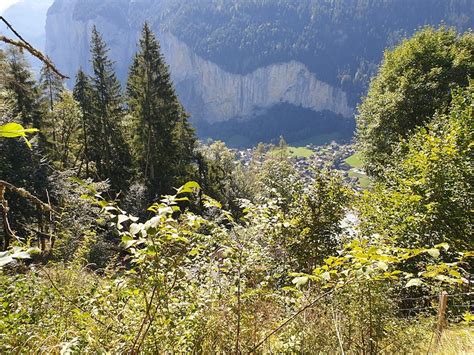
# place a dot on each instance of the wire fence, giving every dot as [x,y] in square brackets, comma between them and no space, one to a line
[457,305]
[447,308]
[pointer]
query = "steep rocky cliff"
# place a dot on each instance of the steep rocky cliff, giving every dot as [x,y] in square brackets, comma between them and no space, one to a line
[216,95]
[236,62]
[207,91]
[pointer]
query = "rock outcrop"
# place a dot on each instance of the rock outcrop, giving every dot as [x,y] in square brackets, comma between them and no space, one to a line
[207,91]
[216,95]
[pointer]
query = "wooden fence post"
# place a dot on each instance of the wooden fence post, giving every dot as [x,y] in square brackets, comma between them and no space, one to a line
[443,302]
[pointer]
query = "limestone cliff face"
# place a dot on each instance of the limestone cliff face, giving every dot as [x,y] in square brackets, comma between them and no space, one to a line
[217,95]
[207,91]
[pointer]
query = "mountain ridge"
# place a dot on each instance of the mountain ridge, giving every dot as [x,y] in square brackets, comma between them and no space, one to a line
[304,53]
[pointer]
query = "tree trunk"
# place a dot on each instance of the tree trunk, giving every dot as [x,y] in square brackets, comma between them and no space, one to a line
[6,226]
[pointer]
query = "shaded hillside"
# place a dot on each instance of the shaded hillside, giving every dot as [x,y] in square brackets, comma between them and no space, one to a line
[304,127]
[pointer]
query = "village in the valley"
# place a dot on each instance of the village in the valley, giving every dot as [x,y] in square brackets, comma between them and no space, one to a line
[333,156]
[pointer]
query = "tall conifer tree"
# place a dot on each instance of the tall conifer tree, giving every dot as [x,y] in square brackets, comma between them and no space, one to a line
[20,165]
[163,141]
[83,94]
[25,91]
[50,88]
[50,85]
[110,150]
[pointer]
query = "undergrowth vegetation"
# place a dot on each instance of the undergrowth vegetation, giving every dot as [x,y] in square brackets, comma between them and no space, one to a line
[211,283]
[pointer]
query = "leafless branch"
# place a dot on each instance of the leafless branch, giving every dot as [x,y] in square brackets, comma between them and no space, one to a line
[22,192]
[23,44]
[73,303]
[301,310]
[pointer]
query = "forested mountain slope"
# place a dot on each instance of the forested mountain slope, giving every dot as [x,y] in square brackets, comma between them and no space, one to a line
[234,60]
[339,40]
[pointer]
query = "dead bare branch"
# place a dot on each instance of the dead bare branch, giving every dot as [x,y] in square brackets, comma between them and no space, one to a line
[23,44]
[22,192]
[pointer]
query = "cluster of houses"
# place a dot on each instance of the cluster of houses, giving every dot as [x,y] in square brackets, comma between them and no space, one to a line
[330,156]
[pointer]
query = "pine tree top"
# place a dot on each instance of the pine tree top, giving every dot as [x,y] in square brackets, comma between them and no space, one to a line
[106,85]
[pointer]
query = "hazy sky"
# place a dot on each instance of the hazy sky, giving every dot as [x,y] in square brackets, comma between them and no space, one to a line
[4,4]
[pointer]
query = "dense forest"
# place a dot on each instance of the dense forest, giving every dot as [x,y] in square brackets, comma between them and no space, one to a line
[122,232]
[299,125]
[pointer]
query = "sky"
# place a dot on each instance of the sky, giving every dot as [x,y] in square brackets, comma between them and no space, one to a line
[4,4]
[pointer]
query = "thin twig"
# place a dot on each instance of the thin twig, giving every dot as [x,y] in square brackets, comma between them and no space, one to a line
[145,317]
[52,230]
[152,319]
[464,293]
[6,224]
[30,229]
[239,301]
[415,309]
[431,339]
[145,333]
[418,298]
[72,302]
[147,304]
[338,333]
[281,326]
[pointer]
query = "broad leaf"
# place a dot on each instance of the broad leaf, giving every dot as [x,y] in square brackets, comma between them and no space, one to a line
[300,281]
[433,252]
[414,282]
[15,130]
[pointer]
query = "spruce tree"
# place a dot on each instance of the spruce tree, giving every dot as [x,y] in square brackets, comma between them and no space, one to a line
[25,91]
[19,165]
[83,94]
[111,154]
[185,149]
[51,86]
[163,141]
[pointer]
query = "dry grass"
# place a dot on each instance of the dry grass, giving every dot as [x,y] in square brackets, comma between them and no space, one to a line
[457,341]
